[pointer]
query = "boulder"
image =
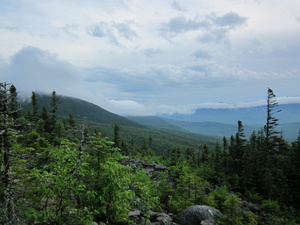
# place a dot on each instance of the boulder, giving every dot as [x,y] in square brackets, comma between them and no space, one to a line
[200,214]
[134,213]
[164,219]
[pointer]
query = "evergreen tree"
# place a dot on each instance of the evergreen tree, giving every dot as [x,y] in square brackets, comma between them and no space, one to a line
[117,136]
[54,103]
[35,106]
[8,152]
[191,156]
[272,135]
[294,173]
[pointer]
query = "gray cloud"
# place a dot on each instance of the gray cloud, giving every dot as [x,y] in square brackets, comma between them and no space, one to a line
[98,30]
[179,25]
[199,54]
[231,20]
[176,5]
[211,29]
[113,31]
[214,35]
[33,69]
[125,31]
[70,29]
[11,28]
[151,51]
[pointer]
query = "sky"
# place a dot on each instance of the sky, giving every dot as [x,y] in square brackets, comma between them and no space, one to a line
[148,57]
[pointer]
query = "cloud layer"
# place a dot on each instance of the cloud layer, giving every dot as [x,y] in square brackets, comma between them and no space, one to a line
[149,57]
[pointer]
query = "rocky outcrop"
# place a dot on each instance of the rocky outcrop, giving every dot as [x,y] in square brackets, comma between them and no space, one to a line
[200,214]
[155,219]
[150,168]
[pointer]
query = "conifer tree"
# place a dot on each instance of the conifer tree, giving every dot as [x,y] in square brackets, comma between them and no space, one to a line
[116,136]
[35,106]
[8,113]
[272,135]
[54,102]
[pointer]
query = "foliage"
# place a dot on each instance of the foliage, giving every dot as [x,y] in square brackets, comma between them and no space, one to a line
[189,189]
[108,181]
[146,193]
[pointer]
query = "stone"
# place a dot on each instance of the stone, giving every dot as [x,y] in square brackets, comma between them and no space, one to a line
[134,213]
[164,219]
[160,167]
[94,223]
[200,214]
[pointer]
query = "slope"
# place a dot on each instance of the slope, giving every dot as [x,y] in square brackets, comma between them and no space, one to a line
[81,109]
[156,122]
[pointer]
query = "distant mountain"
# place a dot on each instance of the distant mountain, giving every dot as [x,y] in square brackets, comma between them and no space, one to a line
[155,122]
[290,113]
[83,110]
[214,129]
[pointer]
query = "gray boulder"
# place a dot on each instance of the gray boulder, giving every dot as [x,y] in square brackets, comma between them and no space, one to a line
[200,214]
[164,219]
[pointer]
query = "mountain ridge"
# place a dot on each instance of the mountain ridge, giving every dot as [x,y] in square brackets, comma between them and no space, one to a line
[82,109]
[255,115]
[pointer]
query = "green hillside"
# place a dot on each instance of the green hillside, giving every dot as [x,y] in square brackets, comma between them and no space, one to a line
[94,117]
[81,109]
[163,140]
[153,121]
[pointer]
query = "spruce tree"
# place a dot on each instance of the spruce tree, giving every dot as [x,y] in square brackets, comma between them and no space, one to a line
[116,136]
[35,106]
[272,135]
[8,113]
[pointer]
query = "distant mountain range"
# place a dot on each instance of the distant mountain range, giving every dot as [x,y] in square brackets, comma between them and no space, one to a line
[223,122]
[207,122]
[290,113]
[290,130]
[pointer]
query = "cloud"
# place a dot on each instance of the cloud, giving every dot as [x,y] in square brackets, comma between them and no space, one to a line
[231,20]
[32,68]
[129,108]
[125,31]
[70,29]
[11,28]
[179,25]
[214,35]
[212,28]
[200,54]
[115,32]
[176,5]
[149,52]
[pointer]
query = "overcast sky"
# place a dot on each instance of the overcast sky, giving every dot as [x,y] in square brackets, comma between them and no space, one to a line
[142,57]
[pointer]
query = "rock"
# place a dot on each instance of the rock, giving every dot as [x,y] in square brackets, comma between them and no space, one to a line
[160,167]
[94,223]
[248,206]
[207,222]
[134,213]
[161,219]
[200,214]
[164,219]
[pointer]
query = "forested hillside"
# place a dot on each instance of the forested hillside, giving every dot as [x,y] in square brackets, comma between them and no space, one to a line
[81,109]
[60,170]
